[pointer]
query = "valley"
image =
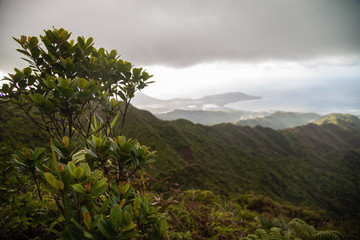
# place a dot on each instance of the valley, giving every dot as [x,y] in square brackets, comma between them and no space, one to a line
[295,165]
[313,165]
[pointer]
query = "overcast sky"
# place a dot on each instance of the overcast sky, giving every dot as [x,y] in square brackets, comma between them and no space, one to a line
[202,47]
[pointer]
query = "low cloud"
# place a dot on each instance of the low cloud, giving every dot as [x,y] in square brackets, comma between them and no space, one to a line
[184,32]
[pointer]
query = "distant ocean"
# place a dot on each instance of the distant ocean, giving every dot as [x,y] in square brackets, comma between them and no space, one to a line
[294,104]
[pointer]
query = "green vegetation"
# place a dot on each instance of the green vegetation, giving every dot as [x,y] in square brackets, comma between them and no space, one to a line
[312,165]
[196,214]
[280,120]
[89,180]
[296,165]
[345,121]
[81,188]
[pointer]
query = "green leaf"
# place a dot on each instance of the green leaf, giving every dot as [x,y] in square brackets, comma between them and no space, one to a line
[35,52]
[51,36]
[125,188]
[98,142]
[77,173]
[97,219]
[113,53]
[18,76]
[49,106]
[22,84]
[58,185]
[137,203]
[69,66]
[163,227]
[99,188]
[33,42]
[87,219]
[67,92]
[50,81]
[5,88]
[65,141]
[122,203]
[23,52]
[114,120]
[54,159]
[150,210]
[116,217]
[127,217]
[137,71]
[79,188]
[86,168]
[91,153]
[89,41]
[47,57]
[128,227]
[82,83]
[105,229]
[27,72]
[71,167]
[88,235]
[37,98]
[81,42]
[64,82]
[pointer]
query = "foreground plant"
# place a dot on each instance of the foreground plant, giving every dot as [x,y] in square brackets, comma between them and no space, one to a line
[81,188]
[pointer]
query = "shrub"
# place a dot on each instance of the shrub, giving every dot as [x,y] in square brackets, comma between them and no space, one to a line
[82,189]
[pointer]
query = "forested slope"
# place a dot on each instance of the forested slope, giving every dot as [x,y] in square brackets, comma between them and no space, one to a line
[313,163]
[317,164]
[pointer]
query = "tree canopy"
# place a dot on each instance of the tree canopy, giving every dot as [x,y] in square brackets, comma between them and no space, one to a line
[70,83]
[83,188]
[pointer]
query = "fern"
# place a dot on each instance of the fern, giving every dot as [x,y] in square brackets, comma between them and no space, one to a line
[251,237]
[307,232]
[328,235]
[302,229]
[275,233]
[262,234]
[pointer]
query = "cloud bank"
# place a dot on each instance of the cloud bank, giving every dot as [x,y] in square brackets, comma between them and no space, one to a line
[182,33]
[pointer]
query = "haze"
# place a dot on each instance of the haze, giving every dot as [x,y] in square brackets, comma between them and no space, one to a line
[300,55]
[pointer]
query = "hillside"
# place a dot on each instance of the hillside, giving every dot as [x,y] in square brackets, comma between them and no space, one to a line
[295,165]
[345,121]
[17,131]
[312,164]
[280,120]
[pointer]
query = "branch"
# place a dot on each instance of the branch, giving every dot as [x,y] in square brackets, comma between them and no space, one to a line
[41,126]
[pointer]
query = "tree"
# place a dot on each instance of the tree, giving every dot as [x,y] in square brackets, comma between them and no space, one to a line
[75,93]
[71,84]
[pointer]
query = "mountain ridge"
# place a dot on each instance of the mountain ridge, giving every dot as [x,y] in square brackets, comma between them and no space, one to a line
[280,120]
[345,121]
[285,164]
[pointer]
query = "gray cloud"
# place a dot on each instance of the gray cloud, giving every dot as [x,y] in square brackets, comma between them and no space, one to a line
[186,32]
